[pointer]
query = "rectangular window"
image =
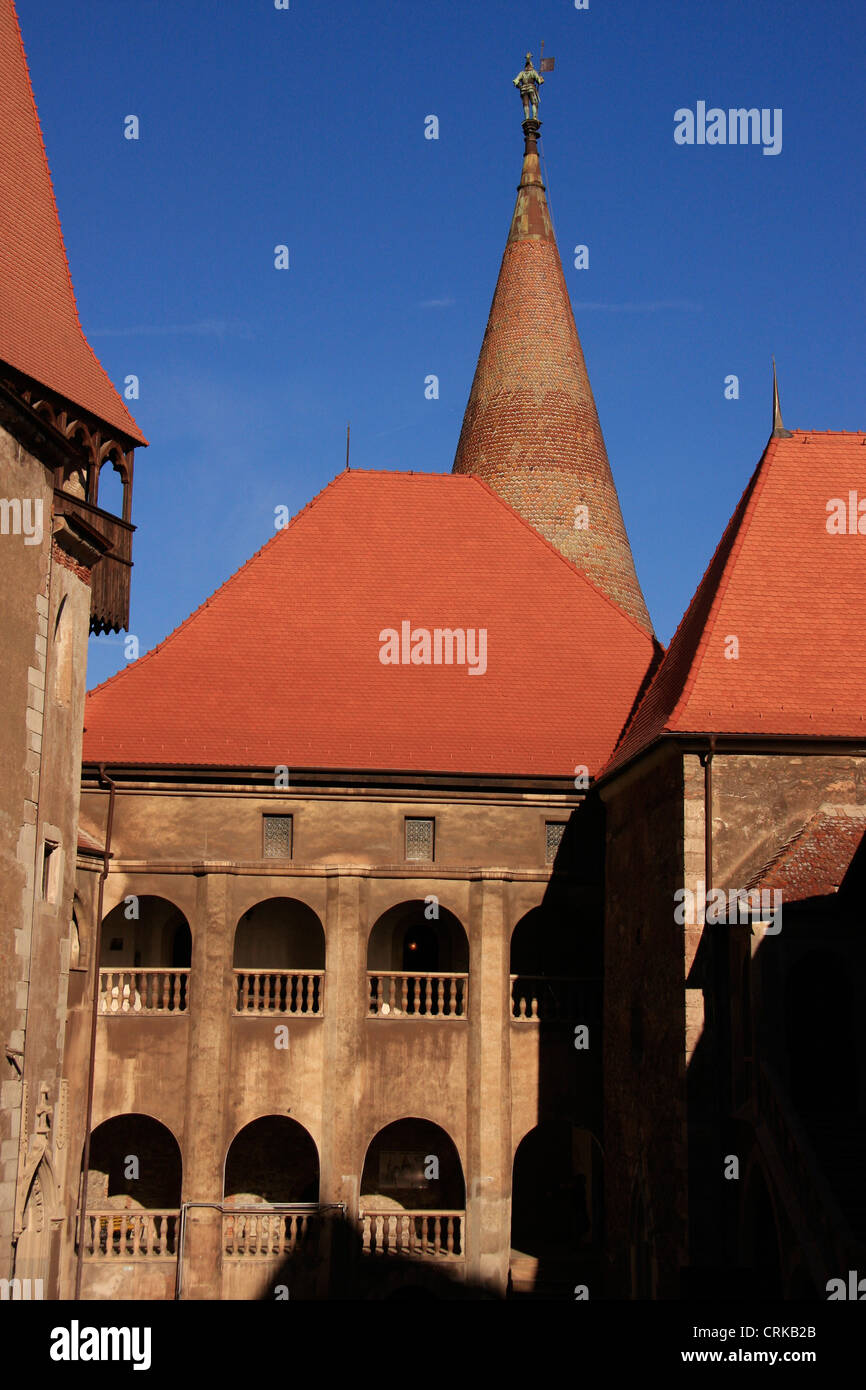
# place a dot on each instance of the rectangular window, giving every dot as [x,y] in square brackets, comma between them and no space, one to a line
[553,836]
[419,838]
[49,871]
[277,836]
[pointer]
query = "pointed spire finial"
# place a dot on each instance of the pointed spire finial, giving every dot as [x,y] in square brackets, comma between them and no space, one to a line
[779,431]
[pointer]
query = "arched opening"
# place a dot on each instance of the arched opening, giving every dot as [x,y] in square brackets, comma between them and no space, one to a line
[135,1162]
[272,1160]
[418,963]
[760,1240]
[554,971]
[133,1188]
[821,1041]
[112,488]
[413,1195]
[145,957]
[279,959]
[556,1192]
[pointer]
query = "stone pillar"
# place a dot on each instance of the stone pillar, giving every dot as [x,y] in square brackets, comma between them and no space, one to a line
[345,1011]
[488,1176]
[206,1083]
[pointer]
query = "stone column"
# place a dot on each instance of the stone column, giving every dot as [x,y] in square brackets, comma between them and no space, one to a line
[488,1176]
[345,996]
[206,1085]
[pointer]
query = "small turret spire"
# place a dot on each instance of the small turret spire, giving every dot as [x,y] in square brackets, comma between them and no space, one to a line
[531,429]
[779,431]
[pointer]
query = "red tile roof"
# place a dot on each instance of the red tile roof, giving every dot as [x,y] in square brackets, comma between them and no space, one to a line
[815,861]
[794,596]
[40,333]
[531,427]
[281,666]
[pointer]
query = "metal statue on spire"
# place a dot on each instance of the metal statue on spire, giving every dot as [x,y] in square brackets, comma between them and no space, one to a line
[527,83]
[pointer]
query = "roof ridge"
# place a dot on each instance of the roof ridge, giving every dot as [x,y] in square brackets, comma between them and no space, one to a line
[748,502]
[59,225]
[727,538]
[152,651]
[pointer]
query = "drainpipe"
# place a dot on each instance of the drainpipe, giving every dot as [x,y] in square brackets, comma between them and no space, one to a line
[94,1016]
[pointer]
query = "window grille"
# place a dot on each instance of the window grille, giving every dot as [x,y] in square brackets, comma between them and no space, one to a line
[553,837]
[419,838]
[278,837]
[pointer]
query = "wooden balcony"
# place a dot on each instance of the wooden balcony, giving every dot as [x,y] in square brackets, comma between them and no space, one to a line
[109,603]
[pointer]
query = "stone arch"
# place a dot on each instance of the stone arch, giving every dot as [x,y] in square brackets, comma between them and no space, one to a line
[440,937]
[40,1220]
[412,1163]
[146,931]
[414,941]
[556,1190]
[279,933]
[272,1160]
[135,1163]
[145,957]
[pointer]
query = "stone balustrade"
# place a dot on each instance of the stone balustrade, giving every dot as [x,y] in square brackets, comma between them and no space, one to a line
[131,1235]
[294,992]
[394,994]
[137,992]
[542,998]
[427,1234]
[266,1234]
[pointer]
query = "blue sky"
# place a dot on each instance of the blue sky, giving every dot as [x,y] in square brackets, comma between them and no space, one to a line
[306,127]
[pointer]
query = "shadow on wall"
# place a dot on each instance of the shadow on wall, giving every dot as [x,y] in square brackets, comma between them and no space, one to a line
[333,1265]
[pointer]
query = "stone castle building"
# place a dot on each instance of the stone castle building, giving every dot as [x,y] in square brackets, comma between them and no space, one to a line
[384,961]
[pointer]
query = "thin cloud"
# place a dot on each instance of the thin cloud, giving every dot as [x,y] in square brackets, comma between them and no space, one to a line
[647,306]
[436,303]
[206,328]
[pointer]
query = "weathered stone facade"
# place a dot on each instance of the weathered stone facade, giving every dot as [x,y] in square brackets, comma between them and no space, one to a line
[347,1067]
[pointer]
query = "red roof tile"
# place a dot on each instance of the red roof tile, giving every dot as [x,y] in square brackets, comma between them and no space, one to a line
[281,666]
[40,333]
[815,861]
[794,596]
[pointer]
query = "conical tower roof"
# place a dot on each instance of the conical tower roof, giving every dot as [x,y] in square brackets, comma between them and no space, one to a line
[531,428]
[40,332]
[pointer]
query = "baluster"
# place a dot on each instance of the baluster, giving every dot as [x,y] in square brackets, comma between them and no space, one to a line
[534,1007]
[244,982]
[437,1235]
[425,1231]
[428,1000]
[403,981]
[299,981]
[449,1227]
[256,989]
[416,994]
[377,1009]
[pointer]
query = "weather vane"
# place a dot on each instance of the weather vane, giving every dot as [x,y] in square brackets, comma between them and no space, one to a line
[528,82]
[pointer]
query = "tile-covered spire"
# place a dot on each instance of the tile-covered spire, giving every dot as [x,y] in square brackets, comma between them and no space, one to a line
[531,428]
